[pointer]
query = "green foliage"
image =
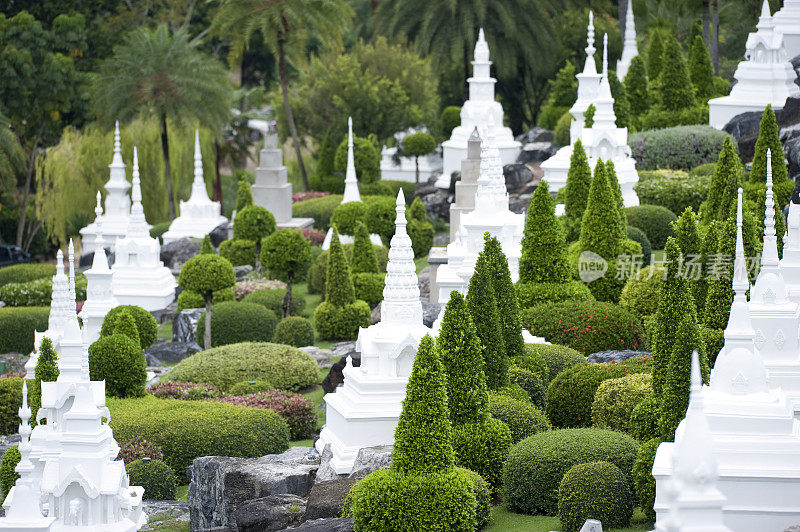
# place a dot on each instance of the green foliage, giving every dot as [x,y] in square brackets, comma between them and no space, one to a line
[341,322]
[483,496]
[18,325]
[556,358]
[339,290]
[482,305]
[530,382]
[125,325]
[158,230]
[119,361]
[156,477]
[286,367]
[655,56]
[615,399]
[418,144]
[659,118]
[369,287]
[563,92]
[642,292]
[206,274]
[674,189]
[544,250]
[644,419]
[600,226]
[380,218]
[450,119]
[347,216]
[363,259]
[318,271]
[22,273]
[548,455]
[768,139]
[250,387]
[207,248]
[725,183]
[532,294]
[643,478]
[320,209]
[482,447]
[253,223]
[523,419]
[700,70]
[571,394]
[287,254]
[244,196]
[596,490]
[366,157]
[655,221]
[186,430]
[579,181]
[674,89]
[37,293]
[561,133]
[420,229]
[622,107]
[47,365]
[295,331]
[636,87]
[677,148]
[586,326]
[588,116]
[189,299]
[238,252]
[506,297]
[236,322]
[637,235]
[8,477]
[272,299]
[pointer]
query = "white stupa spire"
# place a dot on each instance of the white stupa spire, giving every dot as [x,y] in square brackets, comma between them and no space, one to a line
[481,64]
[59,304]
[739,327]
[99,261]
[401,303]
[351,192]
[629,48]
[71,248]
[604,117]
[116,160]
[590,67]
[137,226]
[199,193]
[765,21]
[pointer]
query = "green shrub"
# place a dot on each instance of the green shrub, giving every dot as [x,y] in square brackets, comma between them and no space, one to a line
[514,391]
[22,273]
[380,218]
[46,369]
[674,190]
[272,299]
[561,133]
[533,360]
[318,270]
[703,170]
[366,156]
[250,387]
[347,215]
[660,118]
[530,382]
[146,324]
[522,418]
[253,223]
[369,287]
[10,401]
[655,221]
[37,293]
[638,236]
[532,294]
[320,209]
[450,119]
[378,188]
[8,477]
[421,233]
[341,323]
[156,477]
[297,410]
[158,230]
[615,399]
[286,367]
[189,299]
[644,419]
[363,258]
[643,479]
[587,327]
[483,447]
[594,490]
[678,148]
[188,391]
[571,394]
[18,325]
[233,322]
[483,499]
[642,292]
[120,362]
[244,195]
[547,456]
[238,252]
[555,358]
[295,331]
[186,430]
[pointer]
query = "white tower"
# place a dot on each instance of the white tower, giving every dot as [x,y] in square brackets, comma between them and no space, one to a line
[60,303]
[629,49]
[787,21]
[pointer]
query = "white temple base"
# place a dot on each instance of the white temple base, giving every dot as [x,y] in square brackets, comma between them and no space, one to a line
[407,169]
[113,228]
[454,152]
[447,280]
[347,239]
[556,168]
[722,110]
[296,223]
[186,227]
[146,288]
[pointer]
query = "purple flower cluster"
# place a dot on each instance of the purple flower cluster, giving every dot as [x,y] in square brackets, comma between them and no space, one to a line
[184,390]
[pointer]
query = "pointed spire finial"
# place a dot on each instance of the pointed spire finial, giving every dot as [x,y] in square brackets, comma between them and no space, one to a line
[400,209]
[482,38]
[71,249]
[117,158]
[351,192]
[605,55]
[740,282]
[136,191]
[696,381]
[590,34]
[765,11]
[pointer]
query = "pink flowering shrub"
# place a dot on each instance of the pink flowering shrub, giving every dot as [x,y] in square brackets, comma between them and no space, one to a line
[310,194]
[184,390]
[315,236]
[11,375]
[137,448]
[242,288]
[296,410]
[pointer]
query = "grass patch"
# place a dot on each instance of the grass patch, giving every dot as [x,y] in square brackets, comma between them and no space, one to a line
[181,491]
[165,331]
[421,263]
[504,520]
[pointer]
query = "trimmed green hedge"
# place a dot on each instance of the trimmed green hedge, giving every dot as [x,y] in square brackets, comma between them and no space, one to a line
[272,299]
[536,465]
[8,477]
[530,383]
[644,419]
[655,221]
[37,293]
[295,331]
[673,189]
[642,292]
[643,479]
[594,490]
[156,477]
[233,322]
[238,252]
[369,287]
[320,209]
[483,447]
[22,273]
[18,325]
[186,430]
[286,367]
[530,294]
[615,400]
[678,148]
[522,418]
[341,323]
[118,360]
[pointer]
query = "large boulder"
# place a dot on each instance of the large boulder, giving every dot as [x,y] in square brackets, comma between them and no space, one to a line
[518,177]
[322,356]
[791,148]
[177,252]
[184,326]
[338,524]
[269,514]
[171,352]
[536,152]
[615,356]
[795,61]
[370,459]
[221,485]
[327,498]
[221,233]
[335,377]
[242,271]
[437,203]
[744,129]
[790,114]
[535,134]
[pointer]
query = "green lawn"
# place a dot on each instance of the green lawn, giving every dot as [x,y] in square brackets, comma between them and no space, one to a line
[505,521]
[165,331]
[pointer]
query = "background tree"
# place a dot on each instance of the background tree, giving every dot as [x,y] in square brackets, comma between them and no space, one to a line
[655,55]
[636,88]
[674,88]
[206,274]
[285,26]
[162,74]
[417,145]
[47,365]
[700,70]
[563,93]
[286,253]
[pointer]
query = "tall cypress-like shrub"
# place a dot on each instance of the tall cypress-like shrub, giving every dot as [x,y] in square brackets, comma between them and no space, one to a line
[600,225]
[675,90]
[613,180]
[47,364]
[363,259]
[700,70]
[725,182]
[768,138]
[579,179]
[244,196]
[338,285]
[690,245]
[622,107]
[655,56]
[506,296]
[544,251]
[720,294]
[636,87]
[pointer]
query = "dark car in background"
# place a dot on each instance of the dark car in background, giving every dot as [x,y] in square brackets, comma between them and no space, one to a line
[10,254]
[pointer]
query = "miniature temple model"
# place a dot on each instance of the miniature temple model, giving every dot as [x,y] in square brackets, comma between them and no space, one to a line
[476,111]
[629,49]
[790,262]
[140,278]
[199,216]
[787,21]
[467,186]
[765,77]
[364,411]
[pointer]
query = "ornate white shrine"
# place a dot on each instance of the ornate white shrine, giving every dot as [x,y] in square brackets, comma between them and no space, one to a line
[766,77]
[199,216]
[790,263]
[787,21]
[140,278]
[365,410]
[478,110]
[629,48]
[467,186]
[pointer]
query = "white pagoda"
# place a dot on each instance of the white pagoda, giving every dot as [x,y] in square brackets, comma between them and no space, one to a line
[99,287]
[467,186]
[556,167]
[607,142]
[765,77]
[787,21]
[199,216]
[351,192]
[140,278]
[790,263]
[364,411]
[753,429]
[629,48]
[478,110]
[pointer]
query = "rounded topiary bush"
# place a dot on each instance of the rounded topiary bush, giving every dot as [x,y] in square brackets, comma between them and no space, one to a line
[146,324]
[347,215]
[450,119]
[554,358]
[637,235]
[22,273]
[643,479]
[587,327]
[238,252]
[655,221]
[18,325]
[530,382]
[483,499]
[482,447]
[369,287]
[120,362]
[272,298]
[285,367]
[233,323]
[673,189]
[294,330]
[189,299]
[533,361]
[615,399]
[253,223]
[530,294]
[341,323]
[594,490]
[8,477]
[644,419]
[156,477]
[523,419]
[642,292]
[678,148]
[548,455]
[250,387]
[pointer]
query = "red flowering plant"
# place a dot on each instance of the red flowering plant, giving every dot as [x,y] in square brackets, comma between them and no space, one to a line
[310,194]
[12,375]
[315,236]
[137,448]
[296,410]
[191,391]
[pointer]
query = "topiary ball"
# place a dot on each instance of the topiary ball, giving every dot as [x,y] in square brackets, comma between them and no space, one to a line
[347,215]
[483,496]
[294,331]
[637,235]
[233,322]
[156,477]
[8,476]
[272,299]
[530,382]
[654,220]
[120,362]
[644,419]
[253,223]
[642,292]
[239,252]
[483,447]
[523,419]
[188,299]
[615,400]
[145,323]
[595,490]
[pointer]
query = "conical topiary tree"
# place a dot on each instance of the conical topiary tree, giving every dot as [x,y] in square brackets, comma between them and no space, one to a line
[720,294]
[47,364]
[125,325]
[207,248]
[244,197]
[690,245]
[636,88]
[600,225]
[675,91]
[363,259]
[611,174]
[506,296]
[622,108]
[708,252]
[701,71]
[655,55]
[725,181]
[769,139]
[579,179]
[338,285]
[544,252]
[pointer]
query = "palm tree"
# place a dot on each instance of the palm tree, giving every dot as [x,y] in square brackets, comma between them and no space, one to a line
[285,26]
[156,73]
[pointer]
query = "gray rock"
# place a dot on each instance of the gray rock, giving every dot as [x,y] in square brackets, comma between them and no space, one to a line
[167,314]
[795,61]
[790,114]
[518,177]
[171,352]
[518,203]
[220,485]
[430,311]
[615,356]
[371,459]
[184,326]
[221,233]
[744,128]
[338,524]
[161,513]
[793,528]
[326,471]
[86,259]
[322,356]
[269,514]
[536,152]
[334,377]
[327,498]
[424,282]
[242,271]
[151,360]
[7,442]
[177,252]
[791,148]
[14,362]
[437,203]
[342,349]
[536,134]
